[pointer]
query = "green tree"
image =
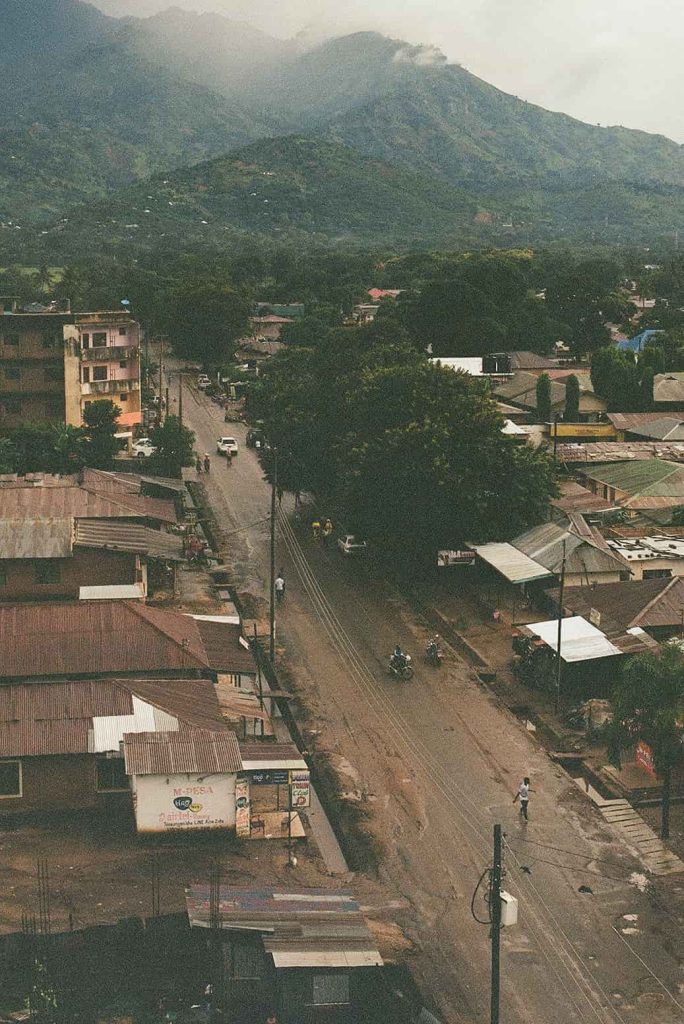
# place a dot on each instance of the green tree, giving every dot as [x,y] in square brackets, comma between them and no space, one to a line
[544,398]
[648,704]
[174,443]
[616,377]
[100,425]
[572,398]
[70,446]
[8,455]
[204,319]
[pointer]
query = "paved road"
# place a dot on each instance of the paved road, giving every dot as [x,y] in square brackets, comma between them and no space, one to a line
[434,764]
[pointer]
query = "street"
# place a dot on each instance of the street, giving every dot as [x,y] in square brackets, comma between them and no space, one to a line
[434,764]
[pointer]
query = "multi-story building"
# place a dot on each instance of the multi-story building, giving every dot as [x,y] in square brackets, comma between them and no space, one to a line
[108,346]
[53,363]
[34,365]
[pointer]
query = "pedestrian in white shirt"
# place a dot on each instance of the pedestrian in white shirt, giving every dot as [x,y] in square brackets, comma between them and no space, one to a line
[523,795]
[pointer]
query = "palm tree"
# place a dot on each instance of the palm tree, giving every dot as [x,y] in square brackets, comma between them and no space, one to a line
[648,704]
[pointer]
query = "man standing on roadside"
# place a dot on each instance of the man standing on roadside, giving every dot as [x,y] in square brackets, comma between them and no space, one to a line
[280,586]
[523,795]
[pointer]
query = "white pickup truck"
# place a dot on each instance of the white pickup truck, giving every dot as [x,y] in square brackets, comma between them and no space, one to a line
[227,446]
[350,544]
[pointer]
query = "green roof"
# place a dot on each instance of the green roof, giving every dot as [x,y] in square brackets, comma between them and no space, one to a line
[655,477]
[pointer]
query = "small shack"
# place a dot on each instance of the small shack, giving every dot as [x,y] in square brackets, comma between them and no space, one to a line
[303,955]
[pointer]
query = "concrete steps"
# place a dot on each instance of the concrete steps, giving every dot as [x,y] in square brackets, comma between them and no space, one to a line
[631,827]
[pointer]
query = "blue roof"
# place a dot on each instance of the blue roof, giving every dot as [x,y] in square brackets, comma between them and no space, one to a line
[638,342]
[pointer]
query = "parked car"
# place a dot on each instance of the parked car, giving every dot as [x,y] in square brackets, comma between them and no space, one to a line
[350,544]
[227,446]
[256,438]
[143,448]
[203,382]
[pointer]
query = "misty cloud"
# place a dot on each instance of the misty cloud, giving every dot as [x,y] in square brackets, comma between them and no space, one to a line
[599,60]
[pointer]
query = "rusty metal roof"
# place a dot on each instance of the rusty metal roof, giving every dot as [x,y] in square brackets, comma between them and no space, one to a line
[645,603]
[40,497]
[57,717]
[170,753]
[600,452]
[120,535]
[35,538]
[224,647]
[300,927]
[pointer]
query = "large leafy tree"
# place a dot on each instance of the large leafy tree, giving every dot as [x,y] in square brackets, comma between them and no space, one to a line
[99,419]
[412,452]
[174,444]
[572,399]
[648,705]
[204,319]
[583,293]
[543,398]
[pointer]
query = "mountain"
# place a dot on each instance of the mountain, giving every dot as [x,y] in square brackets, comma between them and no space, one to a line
[81,115]
[289,187]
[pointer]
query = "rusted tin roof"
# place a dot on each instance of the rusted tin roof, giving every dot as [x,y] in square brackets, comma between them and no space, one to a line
[120,535]
[65,497]
[35,538]
[170,753]
[111,637]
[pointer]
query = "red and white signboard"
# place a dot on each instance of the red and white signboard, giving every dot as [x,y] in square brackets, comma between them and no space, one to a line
[644,757]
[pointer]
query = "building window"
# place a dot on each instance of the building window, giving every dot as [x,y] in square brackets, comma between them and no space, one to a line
[48,571]
[10,338]
[85,374]
[330,989]
[123,364]
[12,373]
[99,338]
[123,331]
[10,779]
[111,775]
[657,574]
[85,340]
[99,373]
[11,405]
[123,398]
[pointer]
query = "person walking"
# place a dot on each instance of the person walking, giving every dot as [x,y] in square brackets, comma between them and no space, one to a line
[327,531]
[198,464]
[207,463]
[280,497]
[523,795]
[280,585]
[316,528]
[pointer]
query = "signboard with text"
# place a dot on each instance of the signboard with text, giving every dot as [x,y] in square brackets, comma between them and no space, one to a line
[644,757]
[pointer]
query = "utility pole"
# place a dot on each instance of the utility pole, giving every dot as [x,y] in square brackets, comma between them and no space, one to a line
[555,435]
[559,660]
[495,910]
[274,487]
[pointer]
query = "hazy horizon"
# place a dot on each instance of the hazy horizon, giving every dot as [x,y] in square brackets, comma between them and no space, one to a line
[581,59]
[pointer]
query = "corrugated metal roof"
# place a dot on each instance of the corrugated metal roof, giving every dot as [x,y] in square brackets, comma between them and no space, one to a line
[113,592]
[575,498]
[645,603]
[580,640]
[513,564]
[224,648]
[668,387]
[119,535]
[300,927]
[583,554]
[600,452]
[35,538]
[170,753]
[65,497]
[629,420]
[87,715]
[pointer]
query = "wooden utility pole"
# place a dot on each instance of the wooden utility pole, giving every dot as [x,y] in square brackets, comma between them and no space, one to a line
[274,487]
[495,909]
[559,660]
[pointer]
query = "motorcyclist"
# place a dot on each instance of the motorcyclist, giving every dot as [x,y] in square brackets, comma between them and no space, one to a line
[398,658]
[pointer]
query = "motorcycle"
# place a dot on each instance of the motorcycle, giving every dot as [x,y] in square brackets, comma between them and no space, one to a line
[433,652]
[401,669]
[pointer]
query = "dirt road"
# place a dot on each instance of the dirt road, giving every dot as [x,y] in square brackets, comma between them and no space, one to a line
[434,764]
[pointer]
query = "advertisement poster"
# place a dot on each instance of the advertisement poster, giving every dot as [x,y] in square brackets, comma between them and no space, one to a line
[644,757]
[300,788]
[242,815]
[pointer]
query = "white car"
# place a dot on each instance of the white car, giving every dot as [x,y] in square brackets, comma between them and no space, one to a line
[349,544]
[227,446]
[143,448]
[203,381]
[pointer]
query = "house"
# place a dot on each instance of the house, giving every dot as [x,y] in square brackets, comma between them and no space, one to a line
[270,326]
[364,313]
[56,558]
[638,342]
[629,425]
[377,294]
[652,483]
[512,573]
[591,658]
[654,605]
[116,639]
[61,741]
[669,428]
[521,391]
[668,391]
[107,345]
[601,452]
[303,955]
[575,498]
[651,557]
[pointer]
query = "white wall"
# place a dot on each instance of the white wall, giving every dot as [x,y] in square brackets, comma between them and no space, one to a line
[204,802]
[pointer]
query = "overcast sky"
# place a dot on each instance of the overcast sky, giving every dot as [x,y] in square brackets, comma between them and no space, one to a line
[604,61]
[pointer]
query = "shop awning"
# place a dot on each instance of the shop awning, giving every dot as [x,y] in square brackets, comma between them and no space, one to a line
[580,640]
[512,564]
